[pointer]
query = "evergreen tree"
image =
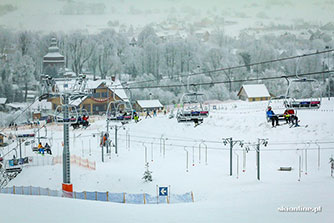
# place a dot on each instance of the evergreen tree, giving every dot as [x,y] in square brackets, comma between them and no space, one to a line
[147,174]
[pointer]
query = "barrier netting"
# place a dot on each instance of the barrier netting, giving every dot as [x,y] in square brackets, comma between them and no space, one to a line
[142,198]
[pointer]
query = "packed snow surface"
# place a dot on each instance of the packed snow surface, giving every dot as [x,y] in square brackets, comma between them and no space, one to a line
[218,196]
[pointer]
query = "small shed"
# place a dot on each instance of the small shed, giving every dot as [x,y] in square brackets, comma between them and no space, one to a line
[254,92]
[148,105]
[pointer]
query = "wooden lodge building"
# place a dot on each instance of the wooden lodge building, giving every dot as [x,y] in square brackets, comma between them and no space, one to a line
[102,93]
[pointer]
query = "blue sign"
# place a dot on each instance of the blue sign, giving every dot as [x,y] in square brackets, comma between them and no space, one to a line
[163,191]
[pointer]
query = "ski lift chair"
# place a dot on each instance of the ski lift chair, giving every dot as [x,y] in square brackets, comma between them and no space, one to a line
[313,102]
[72,115]
[195,114]
[279,108]
[120,111]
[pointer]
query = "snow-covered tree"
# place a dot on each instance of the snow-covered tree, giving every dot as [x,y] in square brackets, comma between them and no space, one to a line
[147,174]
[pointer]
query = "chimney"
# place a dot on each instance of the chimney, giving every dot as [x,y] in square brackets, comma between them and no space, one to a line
[113,78]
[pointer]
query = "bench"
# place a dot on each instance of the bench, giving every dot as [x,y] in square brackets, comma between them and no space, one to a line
[14,170]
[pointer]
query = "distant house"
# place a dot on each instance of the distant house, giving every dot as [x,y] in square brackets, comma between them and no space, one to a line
[254,92]
[148,105]
[3,104]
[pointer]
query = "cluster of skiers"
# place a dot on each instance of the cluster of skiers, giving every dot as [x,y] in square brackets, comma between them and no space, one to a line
[289,116]
[149,115]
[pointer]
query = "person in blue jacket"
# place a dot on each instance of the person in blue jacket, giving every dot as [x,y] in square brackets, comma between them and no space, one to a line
[272,116]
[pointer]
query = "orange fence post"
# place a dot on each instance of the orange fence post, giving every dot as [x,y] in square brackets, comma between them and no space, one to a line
[13,189]
[107,196]
[124,197]
[85,195]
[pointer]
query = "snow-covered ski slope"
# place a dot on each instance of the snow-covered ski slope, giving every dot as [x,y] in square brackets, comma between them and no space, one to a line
[218,196]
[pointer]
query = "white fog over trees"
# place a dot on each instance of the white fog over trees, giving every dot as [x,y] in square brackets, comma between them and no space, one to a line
[174,38]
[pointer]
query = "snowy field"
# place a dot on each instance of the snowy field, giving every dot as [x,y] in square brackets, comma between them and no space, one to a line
[218,196]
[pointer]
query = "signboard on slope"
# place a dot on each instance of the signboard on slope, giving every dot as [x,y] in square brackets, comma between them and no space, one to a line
[163,191]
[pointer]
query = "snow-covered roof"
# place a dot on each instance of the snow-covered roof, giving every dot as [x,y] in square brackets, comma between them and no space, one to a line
[78,101]
[17,105]
[149,103]
[255,90]
[117,87]
[41,105]
[114,86]
[3,101]
[53,55]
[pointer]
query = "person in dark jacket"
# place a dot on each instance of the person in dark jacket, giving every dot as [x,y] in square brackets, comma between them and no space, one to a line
[272,116]
[148,114]
[47,149]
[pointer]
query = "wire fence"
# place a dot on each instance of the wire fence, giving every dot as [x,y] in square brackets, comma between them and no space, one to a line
[49,160]
[141,198]
[77,160]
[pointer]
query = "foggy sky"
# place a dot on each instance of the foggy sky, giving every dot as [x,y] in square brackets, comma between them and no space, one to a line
[48,15]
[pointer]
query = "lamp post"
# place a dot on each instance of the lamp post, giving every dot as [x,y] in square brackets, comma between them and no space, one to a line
[259,142]
[232,143]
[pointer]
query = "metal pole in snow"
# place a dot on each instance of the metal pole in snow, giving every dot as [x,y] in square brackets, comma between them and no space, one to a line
[193,155]
[318,155]
[199,153]
[102,147]
[116,151]
[151,151]
[300,167]
[258,159]
[126,139]
[244,161]
[20,142]
[145,153]
[107,146]
[237,164]
[82,149]
[164,148]
[206,155]
[90,148]
[305,161]
[187,169]
[231,160]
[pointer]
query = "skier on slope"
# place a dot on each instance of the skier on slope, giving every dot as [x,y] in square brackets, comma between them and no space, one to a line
[148,114]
